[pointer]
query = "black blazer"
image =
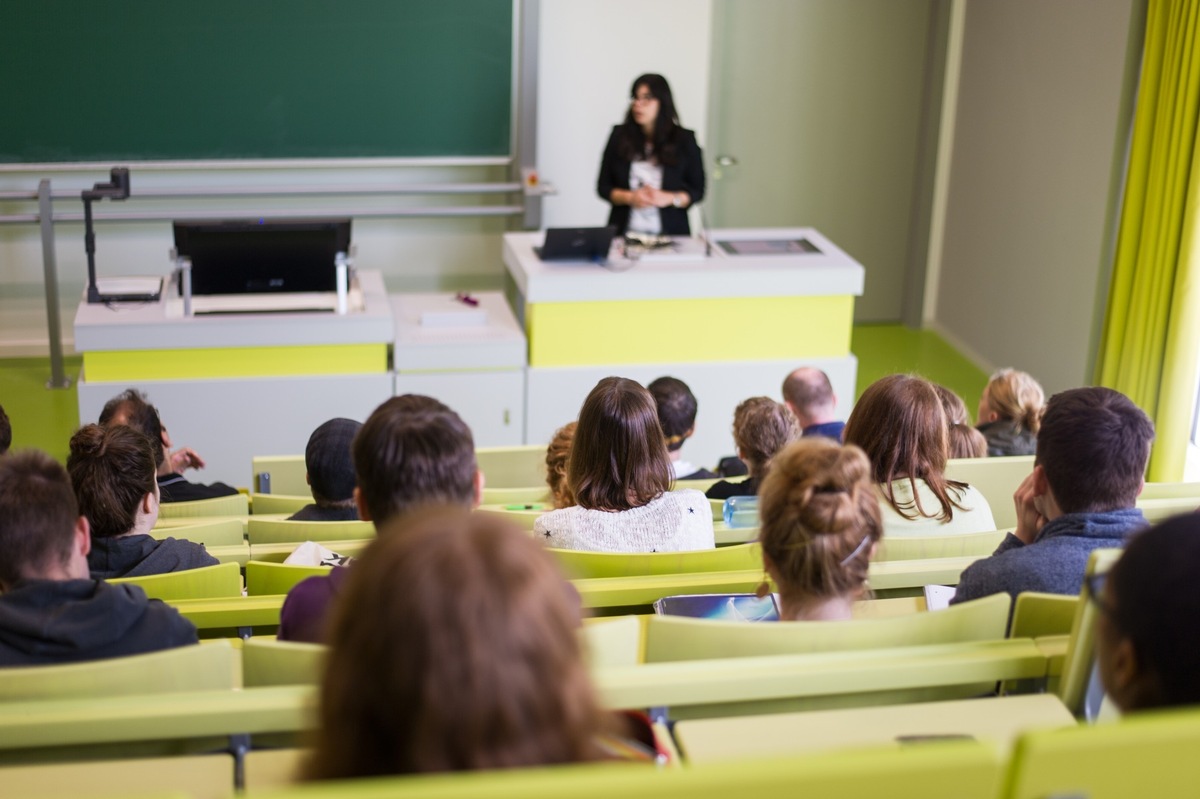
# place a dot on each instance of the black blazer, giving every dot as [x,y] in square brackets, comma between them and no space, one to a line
[686,175]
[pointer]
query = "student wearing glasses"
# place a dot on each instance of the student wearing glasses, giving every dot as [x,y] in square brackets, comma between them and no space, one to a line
[652,169]
[1146,630]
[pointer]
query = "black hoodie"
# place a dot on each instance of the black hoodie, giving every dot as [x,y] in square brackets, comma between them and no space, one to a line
[66,621]
[140,555]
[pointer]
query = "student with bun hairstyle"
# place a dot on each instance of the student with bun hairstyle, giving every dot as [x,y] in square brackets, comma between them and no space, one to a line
[454,647]
[899,423]
[965,441]
[557,455]
[1010,413]
[621,477]
[761,428]
[113,473]
[820,525]
[1149,609]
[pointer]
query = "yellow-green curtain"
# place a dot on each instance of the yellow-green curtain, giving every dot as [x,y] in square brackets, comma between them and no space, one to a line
[1151,343]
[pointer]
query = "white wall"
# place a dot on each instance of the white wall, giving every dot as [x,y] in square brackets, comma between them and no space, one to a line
[1039,134]
[590,53]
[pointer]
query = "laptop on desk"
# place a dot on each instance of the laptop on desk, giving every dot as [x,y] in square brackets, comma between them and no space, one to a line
[576,243]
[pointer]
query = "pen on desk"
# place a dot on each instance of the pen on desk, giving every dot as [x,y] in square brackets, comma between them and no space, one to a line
[466,299]
[523,507]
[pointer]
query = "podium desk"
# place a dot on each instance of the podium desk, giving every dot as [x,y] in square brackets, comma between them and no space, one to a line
[731,324]
[232,386]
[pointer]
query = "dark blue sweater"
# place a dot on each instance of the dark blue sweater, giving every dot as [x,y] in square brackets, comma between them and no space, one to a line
[1055,562]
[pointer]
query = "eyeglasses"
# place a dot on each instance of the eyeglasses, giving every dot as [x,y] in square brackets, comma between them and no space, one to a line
[1093,587]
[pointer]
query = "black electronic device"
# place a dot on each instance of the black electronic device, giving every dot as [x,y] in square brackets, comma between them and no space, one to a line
[131,290]
[262,256]
[576,244]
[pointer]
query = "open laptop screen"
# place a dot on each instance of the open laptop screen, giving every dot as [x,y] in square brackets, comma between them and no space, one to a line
[263,256]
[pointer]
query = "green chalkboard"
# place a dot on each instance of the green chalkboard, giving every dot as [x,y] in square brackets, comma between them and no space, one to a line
[150,80]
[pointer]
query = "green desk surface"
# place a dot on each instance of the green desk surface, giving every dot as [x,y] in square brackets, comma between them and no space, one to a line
[998,720]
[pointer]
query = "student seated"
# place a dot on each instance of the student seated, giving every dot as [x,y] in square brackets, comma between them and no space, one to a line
[557,455]
[820,525]
[330,473]
[965,441]
[50,610]
[620,475]
[677,415]
[1091,454]
[412,451]
[455,647]
[1010,412]
[131,408]
[1146,629]
[761,428]
[899,423]
[809,395]
[112,471]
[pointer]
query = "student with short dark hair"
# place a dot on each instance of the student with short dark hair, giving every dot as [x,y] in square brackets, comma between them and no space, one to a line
[412,451]
[131,408]
[51,611]
[809,395]
[820,527]
[677,408]
[620,475]
[761,428]
[112,471]
[330,473]
[1091,457]
[5,432]
[454,647]
[1149,608]
[899,423]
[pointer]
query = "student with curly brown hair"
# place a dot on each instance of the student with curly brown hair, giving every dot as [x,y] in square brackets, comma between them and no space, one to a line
[557,456]
[820,525]
[761,427]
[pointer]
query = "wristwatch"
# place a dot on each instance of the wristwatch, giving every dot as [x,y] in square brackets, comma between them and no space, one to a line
[677,200]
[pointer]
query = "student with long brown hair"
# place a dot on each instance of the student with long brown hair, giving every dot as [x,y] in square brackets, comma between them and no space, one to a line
[901,426]
[820,525]
[113,473]
[621,477]
[454,646]
[964,441]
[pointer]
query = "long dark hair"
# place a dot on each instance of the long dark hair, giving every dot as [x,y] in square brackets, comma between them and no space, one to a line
[632,142]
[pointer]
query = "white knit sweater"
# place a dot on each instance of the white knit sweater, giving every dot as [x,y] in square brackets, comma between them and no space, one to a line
[676,521]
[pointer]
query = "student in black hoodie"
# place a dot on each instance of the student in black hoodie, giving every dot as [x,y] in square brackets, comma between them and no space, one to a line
[50,611]
[112,470]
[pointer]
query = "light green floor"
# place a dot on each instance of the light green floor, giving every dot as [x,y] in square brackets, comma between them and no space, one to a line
[45,418]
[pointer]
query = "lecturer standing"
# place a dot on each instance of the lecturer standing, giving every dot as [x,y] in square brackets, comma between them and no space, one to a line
[652,169]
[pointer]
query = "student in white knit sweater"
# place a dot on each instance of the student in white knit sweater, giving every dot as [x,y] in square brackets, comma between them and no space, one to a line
[621,476]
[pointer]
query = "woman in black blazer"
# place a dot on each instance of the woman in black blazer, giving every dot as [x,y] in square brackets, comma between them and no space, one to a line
[652,168]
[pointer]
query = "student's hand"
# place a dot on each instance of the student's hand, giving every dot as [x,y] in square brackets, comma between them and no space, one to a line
[643,198]
[185,458]
[1029,519]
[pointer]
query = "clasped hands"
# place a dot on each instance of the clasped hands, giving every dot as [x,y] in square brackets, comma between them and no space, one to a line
[649,197]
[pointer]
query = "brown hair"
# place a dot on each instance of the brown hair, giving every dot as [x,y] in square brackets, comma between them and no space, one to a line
[966,442]
[953,406]
[5,432]
[557,455]
[454,646]
[1017,397]
[899,423]
[38,514]
[676,406]
[112,470]
[130,407]
[618,460]
[413,450]
[762,427]
[820,518]
[1093,446]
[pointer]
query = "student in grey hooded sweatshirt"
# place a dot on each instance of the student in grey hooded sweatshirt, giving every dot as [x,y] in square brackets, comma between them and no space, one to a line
[112,470]
[1091,458]
[50,610]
